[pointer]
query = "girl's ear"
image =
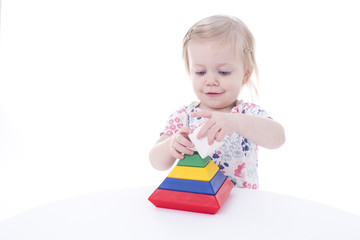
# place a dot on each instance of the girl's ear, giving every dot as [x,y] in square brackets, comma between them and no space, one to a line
[247,75]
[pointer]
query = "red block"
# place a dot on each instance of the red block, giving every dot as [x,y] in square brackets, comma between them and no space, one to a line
[193,202]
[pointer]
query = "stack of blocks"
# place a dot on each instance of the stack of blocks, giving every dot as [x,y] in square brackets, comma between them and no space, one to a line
[195,184]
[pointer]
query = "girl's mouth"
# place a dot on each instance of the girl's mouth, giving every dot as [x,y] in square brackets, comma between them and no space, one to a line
[213,94]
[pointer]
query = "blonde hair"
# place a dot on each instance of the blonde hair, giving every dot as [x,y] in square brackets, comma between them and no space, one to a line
[233,31]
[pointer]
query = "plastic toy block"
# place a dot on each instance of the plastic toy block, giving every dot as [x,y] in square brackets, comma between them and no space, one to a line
[202,187]
[202,145]
[195,173]
[193,202]
[194,160]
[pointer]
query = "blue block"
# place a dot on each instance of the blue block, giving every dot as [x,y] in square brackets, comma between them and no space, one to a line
[203,187]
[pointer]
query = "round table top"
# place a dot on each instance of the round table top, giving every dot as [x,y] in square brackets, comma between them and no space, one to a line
[127,214]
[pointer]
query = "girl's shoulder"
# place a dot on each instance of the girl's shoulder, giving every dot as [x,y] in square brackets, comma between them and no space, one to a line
[186,109]
[249,109]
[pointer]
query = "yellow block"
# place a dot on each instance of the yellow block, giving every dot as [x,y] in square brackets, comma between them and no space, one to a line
[195,173]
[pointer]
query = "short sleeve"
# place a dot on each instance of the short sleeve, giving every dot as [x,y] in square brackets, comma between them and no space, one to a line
[176,121]
[251,109]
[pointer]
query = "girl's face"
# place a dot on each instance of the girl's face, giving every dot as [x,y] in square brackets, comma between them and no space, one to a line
[217,74]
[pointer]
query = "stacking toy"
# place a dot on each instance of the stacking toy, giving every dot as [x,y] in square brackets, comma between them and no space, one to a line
[195,184]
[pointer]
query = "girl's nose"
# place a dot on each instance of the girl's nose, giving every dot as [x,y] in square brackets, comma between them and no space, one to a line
[211,80]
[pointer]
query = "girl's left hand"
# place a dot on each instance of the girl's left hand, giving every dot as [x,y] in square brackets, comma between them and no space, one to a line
[218,125]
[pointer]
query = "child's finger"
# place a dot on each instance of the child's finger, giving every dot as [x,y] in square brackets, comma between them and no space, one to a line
[212,133]
[182,149]
[184,141]
[205,128]
[186,130]
[220,135]
[176,154]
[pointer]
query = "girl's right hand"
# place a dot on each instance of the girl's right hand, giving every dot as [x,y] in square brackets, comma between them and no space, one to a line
[180,143]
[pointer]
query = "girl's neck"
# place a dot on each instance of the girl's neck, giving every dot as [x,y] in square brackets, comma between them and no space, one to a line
[224,109]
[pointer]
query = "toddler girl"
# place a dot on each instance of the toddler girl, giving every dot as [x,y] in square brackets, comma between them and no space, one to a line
[219,56]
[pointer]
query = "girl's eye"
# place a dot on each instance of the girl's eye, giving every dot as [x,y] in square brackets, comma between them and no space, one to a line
[224,73]
[200,73]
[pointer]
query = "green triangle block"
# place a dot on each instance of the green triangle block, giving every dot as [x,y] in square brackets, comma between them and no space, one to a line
[194,160]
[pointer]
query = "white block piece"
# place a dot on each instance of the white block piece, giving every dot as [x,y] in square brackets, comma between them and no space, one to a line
[202,145]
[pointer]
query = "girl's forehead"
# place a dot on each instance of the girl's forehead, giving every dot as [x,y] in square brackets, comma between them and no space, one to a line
[212,48]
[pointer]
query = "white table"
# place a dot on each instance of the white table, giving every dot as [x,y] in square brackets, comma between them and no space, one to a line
[127,214]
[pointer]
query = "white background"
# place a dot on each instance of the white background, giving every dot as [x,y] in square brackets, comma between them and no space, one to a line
[86,87]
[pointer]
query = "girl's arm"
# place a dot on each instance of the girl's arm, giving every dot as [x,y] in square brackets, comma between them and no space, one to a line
[160,157]
[262,131]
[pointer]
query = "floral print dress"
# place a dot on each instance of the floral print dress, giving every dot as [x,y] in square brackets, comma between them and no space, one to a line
[237,158]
